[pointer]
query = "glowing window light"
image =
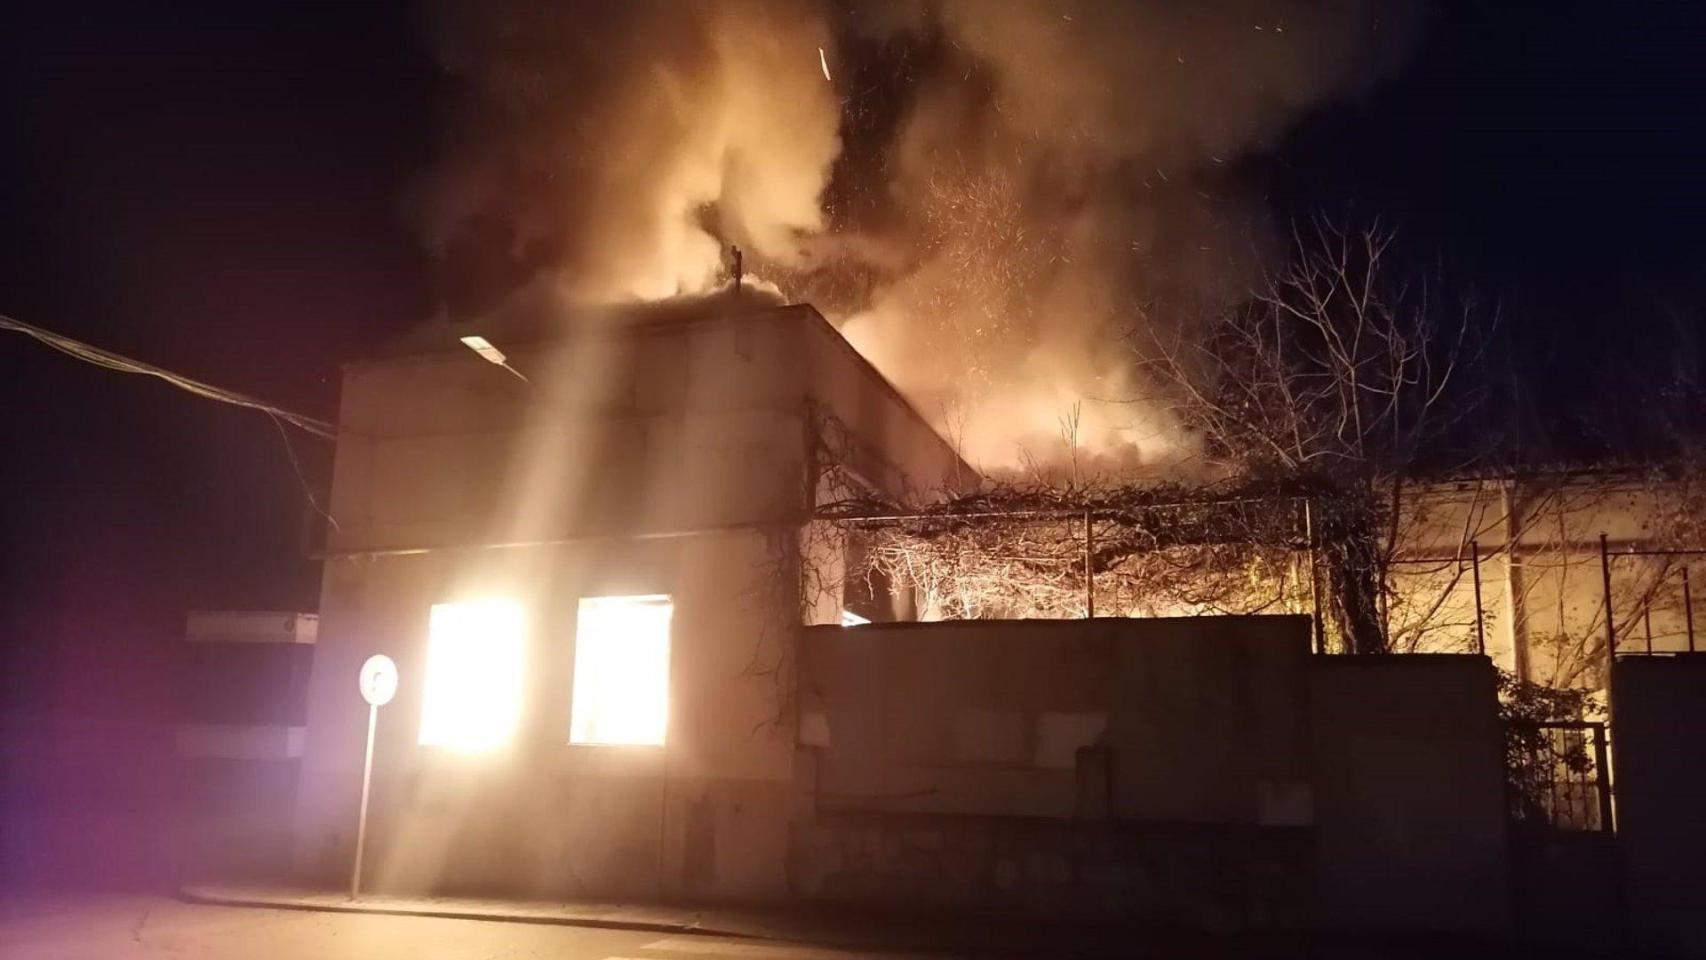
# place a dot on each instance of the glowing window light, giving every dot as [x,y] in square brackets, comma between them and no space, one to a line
[621,689]
[473,677]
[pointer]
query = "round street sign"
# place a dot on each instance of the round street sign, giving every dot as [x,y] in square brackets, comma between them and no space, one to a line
[378,680]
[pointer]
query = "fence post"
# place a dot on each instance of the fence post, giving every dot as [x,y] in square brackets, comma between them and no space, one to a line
[1314,578]
[1089,570]
[1607,821]
[1688,608]
[1475,566]
[1605,578]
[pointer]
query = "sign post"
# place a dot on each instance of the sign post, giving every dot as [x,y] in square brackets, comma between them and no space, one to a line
[378,685]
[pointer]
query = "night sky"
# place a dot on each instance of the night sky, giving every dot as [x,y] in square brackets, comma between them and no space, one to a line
[223,191]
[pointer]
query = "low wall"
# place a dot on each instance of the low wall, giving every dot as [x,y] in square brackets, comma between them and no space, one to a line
[1568,888]
[1219,878]
[1208,771]
[243,680]
[1203,716]
[1409,793]
[1658,722]
[552,835]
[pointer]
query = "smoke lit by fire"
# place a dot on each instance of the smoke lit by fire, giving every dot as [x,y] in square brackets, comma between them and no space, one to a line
[983,195]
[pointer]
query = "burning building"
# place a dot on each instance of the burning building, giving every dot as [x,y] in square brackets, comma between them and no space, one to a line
[624,670]
[588,574]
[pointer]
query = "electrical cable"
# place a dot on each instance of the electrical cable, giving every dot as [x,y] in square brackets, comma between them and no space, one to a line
[295,464]
[108,360]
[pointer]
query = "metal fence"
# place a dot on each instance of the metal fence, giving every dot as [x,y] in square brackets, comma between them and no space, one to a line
[1560,777]
[1653,614]
[1631,631]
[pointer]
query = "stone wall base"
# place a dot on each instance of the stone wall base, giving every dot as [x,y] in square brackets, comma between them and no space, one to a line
[1215,877]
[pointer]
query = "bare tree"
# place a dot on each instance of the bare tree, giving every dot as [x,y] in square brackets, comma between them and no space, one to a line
[1347,385]
[1343,377]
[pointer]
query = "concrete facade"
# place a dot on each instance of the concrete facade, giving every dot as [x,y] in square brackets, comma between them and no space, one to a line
[673,455]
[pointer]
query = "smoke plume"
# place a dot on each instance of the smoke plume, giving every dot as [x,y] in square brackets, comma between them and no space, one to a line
[983,195]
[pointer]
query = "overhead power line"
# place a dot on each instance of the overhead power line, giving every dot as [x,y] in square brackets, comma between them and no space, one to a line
[108,360]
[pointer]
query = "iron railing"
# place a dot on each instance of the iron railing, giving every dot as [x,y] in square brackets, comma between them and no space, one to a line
[1560,776]
[1654,616]
[1631,631]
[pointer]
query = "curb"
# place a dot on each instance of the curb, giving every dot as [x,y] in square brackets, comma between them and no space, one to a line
[191,895]
[903,946]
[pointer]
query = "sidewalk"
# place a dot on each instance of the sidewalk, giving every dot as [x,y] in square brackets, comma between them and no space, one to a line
[818,926]
[622,916]
[916,936]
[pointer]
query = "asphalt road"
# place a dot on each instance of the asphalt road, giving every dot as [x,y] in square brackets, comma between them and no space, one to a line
[137,927]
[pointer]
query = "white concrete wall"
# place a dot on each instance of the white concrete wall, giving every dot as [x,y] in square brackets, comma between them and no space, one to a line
[1541,581]
[894,449]
[543,816]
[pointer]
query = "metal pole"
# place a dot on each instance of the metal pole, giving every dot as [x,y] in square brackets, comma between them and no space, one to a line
[1314,581]
[1688,609]
[1516,590]
[1385,610]
[361,824]
[1605,578]
[1602,767]
[1089,570]
[663,809]
[1475,566]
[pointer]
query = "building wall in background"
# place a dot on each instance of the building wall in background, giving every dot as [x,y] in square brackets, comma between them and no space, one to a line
[1542,587]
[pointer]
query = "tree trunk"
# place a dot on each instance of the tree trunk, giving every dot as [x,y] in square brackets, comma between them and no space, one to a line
[1351,557]
[1353,594]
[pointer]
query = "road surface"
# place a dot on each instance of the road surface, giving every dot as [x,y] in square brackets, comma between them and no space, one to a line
[144,928]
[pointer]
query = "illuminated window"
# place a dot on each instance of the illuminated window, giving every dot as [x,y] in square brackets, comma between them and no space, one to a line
[621,691]
[473,676]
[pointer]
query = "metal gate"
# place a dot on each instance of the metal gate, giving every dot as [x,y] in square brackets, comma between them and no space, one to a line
[1560,777]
